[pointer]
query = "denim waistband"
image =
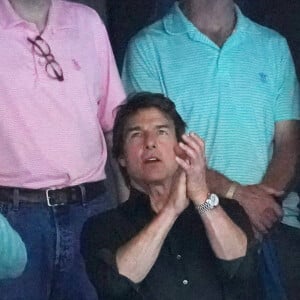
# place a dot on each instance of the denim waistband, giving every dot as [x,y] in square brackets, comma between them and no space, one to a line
[54,197]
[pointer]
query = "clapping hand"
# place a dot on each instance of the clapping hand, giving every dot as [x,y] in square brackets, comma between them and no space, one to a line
[190,155]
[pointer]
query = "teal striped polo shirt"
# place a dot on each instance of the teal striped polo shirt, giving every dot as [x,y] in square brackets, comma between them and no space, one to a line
[13,256]
[231,96]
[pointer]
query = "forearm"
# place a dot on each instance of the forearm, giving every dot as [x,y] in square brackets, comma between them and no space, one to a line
[218,183]
[282,169]
[136,258]
[227,240]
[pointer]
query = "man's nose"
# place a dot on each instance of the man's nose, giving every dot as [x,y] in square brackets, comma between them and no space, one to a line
[150,141]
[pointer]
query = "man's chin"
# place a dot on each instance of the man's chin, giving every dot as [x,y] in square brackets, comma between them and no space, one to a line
[148,180]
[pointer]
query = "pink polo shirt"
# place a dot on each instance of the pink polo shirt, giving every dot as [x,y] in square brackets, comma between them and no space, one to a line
[52,132]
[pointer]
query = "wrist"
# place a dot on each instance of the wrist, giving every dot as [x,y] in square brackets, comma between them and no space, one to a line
[231,192]
[209,204]
[200,198]
[170,212]
[238,194]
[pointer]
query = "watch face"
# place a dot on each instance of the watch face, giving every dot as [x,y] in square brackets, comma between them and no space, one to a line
[214,200]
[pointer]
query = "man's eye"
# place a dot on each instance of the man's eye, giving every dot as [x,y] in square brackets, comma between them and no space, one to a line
[162,131]
[135,134]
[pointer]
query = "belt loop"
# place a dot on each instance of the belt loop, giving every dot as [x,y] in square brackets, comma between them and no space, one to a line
[16,199]
[83,194]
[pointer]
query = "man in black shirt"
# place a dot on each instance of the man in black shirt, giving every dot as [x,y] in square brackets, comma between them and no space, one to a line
[171,239]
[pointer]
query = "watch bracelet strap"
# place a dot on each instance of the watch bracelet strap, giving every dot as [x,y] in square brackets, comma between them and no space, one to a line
[203,207]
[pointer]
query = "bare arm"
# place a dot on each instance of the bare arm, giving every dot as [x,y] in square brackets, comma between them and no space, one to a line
[136,258]
[282,168]
[218,183]
[260,200]
[227,240]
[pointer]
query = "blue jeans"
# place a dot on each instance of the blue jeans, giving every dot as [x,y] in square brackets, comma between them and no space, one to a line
[287,244]
[270,272]
[55,269]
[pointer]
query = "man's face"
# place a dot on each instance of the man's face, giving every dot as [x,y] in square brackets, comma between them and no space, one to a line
[149,147]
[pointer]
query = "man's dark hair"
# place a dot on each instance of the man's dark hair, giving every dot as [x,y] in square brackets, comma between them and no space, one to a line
[135,103]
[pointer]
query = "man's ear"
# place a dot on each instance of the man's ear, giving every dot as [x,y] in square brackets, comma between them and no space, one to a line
[122,161]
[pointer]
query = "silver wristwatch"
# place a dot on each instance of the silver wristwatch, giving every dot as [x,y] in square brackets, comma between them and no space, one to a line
[210,203]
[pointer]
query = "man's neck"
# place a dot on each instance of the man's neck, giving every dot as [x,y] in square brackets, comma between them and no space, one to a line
[214,18]
[159,196]
[34,11]
[157,192]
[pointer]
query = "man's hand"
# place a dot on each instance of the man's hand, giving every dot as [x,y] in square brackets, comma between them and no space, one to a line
[259,202]
[178,200]
[191,159]
[136,257]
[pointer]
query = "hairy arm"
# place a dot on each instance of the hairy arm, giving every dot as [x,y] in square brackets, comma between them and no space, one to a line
[217,182]
[282,168]
[227,240]
[136,258]
[260,201]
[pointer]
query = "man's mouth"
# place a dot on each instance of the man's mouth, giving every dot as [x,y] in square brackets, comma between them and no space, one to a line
[151,160]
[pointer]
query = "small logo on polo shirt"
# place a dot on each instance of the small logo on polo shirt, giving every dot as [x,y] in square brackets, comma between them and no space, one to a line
[263,77]
[76,64]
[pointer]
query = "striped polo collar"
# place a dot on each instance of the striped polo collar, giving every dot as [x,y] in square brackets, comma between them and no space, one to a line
[176,23]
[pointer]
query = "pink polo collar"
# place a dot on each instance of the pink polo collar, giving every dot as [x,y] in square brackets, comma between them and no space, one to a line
[56,19]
